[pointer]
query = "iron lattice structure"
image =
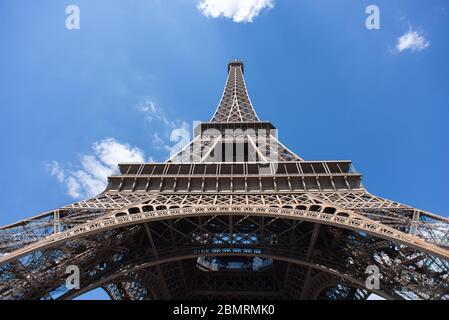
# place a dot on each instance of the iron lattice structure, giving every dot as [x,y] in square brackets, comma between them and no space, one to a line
[234,215]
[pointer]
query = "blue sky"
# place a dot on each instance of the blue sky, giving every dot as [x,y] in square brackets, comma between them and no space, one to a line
[72,100]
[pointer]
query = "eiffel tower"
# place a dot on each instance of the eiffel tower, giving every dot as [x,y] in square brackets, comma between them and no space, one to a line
[233,215]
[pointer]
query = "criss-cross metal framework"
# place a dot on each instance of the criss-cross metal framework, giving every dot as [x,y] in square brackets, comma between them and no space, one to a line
[233,215]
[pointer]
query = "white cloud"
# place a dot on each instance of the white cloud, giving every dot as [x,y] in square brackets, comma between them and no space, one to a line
[148,106]
[55,170]
[173,131]
[157,140]
[412,40]
[73,188]
[237,10]
[91,179]
[112,152]
[152,111]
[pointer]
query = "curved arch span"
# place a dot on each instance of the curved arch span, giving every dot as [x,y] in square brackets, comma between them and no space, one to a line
[352,222]
[356,282]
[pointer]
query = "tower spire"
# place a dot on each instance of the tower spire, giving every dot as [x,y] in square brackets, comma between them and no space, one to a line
[235,105]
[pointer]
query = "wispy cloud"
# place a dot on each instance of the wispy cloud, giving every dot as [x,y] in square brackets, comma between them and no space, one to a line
[237,10]
[55,170]
[412,40]
[171,131]
[180,136]
[153,112]
[90,178]
[156,140]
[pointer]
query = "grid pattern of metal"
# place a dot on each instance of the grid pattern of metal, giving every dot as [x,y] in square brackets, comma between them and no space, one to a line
[235,105]
[196,227]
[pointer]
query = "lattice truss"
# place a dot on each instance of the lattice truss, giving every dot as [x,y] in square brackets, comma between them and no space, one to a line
[181,245]
[407,272]
[235,105]
[208,148]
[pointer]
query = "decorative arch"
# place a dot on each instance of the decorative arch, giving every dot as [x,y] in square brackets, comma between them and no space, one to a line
[341,219]
[329,276]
